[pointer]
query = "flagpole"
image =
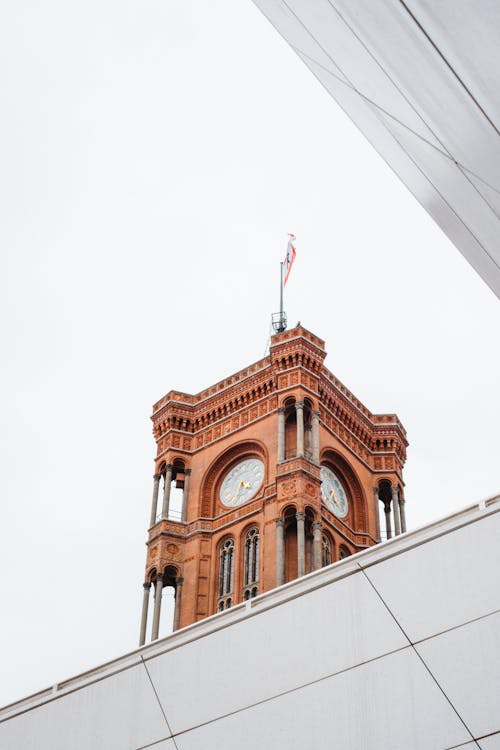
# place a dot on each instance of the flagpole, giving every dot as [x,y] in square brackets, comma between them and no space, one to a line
[278,320]
[281,291]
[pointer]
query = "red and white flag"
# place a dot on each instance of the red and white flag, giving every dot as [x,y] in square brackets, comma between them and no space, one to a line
[289,258]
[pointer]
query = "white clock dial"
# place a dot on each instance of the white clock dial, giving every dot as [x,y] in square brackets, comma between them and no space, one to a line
[242,482]
[333,493]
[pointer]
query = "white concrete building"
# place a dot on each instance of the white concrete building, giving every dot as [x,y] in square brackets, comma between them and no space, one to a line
[420,81]
[395,648]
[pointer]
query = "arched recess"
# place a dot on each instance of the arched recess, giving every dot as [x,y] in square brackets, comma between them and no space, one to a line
[290,428]
[151,576]
[344,551]
[357,513]
[170,601]
[308,441]
[177,489]
[289,516]
[170,498]
[385,497]
[290,531]
[209,500]
[308,531]
[327,549]
[162,471]
[166,588]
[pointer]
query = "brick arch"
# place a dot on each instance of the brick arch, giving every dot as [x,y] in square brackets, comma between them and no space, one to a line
[384,478]
[248,527]
[288,511]
[326,533]
[311,512]
[170,575]
[344,551]
[238,452]
[358,516]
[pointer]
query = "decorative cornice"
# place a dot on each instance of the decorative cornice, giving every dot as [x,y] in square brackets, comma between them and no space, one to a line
[182,442]
[189,400]
[187,423]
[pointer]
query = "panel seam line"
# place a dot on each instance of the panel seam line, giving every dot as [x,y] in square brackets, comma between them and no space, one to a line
[159,702]
[420,657]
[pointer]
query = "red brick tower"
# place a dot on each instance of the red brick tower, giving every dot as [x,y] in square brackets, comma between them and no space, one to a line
[269,474]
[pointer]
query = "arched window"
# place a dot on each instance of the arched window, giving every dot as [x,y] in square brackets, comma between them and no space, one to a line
[251,564]
[326,551]
[226,574]
[343,552]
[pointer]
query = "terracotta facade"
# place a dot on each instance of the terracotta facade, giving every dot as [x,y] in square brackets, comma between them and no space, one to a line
[283,418]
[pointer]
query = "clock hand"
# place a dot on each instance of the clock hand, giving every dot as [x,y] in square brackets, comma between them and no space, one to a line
[332,492]
[238,491]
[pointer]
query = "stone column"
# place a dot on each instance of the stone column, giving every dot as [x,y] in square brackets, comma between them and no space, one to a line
[308,441]
[280,551]
[301,544]
[154,504]
[402,513]
[178,598]
[299,410]
[376,502]
[315,437]
[387,511]
[157,609]
[144,617]
[166,491]
[281,434]
[317,561]
[395,510]
[185,495]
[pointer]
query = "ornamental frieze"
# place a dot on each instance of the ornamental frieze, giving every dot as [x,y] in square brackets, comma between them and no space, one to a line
[287,489]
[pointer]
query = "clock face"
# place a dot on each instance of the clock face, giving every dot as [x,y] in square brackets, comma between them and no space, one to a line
[242,482]
[332,492]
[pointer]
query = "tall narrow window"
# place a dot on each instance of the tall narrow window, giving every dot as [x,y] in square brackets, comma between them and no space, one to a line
[326,551]
[343,552]
[226,574]
[251,564]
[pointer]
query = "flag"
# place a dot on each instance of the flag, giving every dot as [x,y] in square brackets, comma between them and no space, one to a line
[289,258]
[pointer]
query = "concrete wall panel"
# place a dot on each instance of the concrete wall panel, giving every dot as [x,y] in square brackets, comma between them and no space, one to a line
[315,635]
[320,662]
[118,712]
[444,582]
[466,663]
[388,704]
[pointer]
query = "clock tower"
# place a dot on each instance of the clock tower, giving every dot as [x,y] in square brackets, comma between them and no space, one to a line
[274,472]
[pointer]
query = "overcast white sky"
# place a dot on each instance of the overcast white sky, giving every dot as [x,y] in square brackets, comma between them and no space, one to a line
[154,156]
